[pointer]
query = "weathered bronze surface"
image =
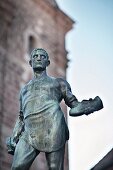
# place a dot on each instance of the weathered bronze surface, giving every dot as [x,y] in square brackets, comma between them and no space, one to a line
[41,125]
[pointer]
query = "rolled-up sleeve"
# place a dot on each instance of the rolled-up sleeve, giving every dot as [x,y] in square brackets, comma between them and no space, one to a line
[67,95]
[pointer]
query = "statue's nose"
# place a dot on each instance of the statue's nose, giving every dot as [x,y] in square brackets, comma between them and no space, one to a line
[38,57]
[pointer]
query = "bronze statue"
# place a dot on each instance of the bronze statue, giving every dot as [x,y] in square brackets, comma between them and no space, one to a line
[41,125]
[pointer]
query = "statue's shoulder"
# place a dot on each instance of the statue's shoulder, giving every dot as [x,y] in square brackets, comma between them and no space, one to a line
[26,86]
[57,79]
[50,78]
[62,82]
[29,83]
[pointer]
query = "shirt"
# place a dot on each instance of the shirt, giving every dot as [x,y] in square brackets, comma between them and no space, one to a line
[45,125]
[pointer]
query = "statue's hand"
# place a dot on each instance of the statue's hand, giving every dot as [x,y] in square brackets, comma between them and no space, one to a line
[86,107]
[11,145]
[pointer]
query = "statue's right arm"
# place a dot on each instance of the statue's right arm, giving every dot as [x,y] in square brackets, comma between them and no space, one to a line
[79,108]
[17,131]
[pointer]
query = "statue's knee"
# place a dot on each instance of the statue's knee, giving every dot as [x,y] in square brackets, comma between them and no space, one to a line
[17,167]
[53,166]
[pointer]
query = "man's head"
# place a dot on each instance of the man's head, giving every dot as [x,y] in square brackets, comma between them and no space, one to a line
[39,59]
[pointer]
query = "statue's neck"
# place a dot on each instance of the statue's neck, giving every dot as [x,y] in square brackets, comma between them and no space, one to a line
[38,74]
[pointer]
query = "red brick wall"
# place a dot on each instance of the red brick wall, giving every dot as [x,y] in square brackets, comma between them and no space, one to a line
[20,20]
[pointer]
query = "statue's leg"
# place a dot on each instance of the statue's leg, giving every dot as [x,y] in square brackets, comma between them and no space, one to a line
[23,156]
[55,159]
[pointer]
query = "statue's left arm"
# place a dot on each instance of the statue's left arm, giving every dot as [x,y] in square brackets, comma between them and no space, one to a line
[79,108]
[17,131]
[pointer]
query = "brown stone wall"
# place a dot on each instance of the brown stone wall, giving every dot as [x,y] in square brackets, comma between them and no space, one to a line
[26,24]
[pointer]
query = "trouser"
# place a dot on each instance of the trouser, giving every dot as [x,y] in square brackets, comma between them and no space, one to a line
[25,155]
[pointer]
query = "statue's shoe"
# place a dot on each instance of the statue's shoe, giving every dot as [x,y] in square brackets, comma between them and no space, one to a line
[86,107]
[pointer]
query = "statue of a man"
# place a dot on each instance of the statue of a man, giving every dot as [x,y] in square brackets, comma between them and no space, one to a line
[41,125]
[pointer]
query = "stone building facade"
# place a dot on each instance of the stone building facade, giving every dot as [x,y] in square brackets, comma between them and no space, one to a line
[26,24]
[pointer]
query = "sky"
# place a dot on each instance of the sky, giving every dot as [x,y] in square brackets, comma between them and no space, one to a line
[90,73]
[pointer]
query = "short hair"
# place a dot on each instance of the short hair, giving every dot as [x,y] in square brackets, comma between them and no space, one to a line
[39,49]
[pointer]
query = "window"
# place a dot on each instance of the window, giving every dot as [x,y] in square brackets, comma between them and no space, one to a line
[32,44]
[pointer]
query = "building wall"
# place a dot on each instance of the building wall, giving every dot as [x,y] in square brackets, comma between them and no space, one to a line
[24,25]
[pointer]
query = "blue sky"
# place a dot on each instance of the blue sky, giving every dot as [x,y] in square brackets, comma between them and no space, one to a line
[90,73]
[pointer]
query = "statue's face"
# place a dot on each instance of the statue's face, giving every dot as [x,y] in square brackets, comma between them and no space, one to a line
[39,61]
